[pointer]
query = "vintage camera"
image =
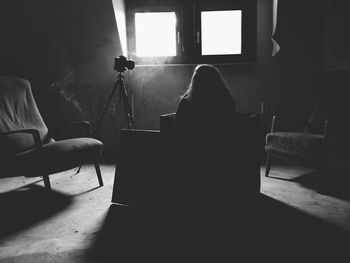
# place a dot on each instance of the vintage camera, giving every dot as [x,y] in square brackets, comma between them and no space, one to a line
[121,64]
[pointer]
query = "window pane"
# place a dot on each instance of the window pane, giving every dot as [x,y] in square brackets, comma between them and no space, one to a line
[155,34]
[221,32]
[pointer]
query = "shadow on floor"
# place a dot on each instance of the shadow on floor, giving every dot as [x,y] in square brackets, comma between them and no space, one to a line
[26,206]
[124,236]
[336,185]
[291,235]
[283,234]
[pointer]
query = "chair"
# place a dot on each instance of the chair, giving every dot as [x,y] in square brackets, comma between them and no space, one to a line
[28,147]
[325,143]
[212,177]
[307,148]
[144,176]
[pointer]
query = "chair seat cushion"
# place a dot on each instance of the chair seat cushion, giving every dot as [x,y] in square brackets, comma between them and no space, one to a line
[59,155]
[301,145]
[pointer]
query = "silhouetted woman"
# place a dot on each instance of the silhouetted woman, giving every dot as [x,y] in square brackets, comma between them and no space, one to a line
[204,157]
[207,99]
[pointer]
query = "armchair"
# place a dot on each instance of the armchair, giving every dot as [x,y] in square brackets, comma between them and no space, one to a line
[210,177]
[153,152]
[307,148]
[29,148]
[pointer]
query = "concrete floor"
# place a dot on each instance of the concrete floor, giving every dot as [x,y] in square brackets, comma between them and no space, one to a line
[296,224]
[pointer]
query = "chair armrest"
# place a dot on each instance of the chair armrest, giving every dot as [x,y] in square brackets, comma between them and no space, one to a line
[34,132]
[79,124]
[325,132]
[274,123]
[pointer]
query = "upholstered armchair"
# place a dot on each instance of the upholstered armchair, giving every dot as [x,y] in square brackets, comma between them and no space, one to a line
[152,153]
[301,147]
[206,172]
[29,148]
[308,147]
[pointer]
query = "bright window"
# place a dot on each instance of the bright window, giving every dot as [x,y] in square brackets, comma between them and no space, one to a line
[155,34]
[191,31]
[221,32]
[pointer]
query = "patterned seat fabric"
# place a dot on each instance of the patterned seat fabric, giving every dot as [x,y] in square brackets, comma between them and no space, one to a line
[303,145]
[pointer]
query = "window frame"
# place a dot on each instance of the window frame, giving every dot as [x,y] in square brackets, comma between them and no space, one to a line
[132,10]
[200,33]
[188,15]
[248,38]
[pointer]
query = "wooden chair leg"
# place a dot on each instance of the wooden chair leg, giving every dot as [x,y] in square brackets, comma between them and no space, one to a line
[47,183]
[268,165]
[98,173]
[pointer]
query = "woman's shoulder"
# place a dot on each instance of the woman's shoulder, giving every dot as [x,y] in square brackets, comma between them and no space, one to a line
[184,101]
[184,97]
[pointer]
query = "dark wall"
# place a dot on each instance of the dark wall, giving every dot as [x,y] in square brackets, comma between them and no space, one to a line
[72,43]
[66,49]
[336,79]
[337,38]
[287,83]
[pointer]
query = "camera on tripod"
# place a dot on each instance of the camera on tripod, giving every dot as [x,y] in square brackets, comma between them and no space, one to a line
[121,64]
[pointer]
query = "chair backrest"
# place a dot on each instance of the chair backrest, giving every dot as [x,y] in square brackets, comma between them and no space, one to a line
[18,110]
[332,105]
[245,135]
[317,118]
[143,175]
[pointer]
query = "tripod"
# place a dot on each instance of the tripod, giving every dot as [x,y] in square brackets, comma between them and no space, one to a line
[122,96]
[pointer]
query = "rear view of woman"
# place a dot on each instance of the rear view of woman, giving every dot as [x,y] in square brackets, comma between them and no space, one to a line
[204,157]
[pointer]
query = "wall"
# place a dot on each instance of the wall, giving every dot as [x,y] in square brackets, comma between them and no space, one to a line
[119,12]
[73,44]
[336,79]
[337,38]
[287,83]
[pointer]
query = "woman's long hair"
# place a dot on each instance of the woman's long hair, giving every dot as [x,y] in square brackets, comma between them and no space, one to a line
[206,85]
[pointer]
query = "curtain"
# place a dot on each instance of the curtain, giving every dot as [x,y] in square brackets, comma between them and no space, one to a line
[275,45]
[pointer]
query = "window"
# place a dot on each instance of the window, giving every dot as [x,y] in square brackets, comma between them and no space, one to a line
[192,31]
[221,32]
[155,34]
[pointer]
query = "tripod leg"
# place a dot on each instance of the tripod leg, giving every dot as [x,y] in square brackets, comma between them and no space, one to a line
[127,108]
[106,106]
[129,117]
